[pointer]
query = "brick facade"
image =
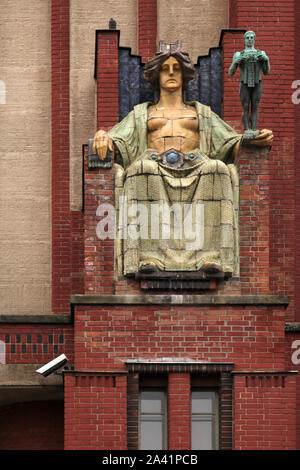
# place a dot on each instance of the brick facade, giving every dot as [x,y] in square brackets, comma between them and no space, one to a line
[233,338]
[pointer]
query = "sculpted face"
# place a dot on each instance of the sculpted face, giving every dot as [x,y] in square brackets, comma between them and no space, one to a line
[170,76]
[249,39]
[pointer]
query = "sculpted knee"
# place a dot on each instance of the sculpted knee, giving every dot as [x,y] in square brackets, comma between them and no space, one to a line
[215,166]
[141,167]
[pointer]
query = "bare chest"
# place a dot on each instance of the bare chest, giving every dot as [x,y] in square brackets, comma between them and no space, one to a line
[172,122]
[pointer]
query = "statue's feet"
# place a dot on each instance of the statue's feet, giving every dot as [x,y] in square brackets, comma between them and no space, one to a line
[148,268]
[212,269]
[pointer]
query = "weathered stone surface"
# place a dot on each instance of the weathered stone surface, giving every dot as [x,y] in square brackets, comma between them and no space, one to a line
[201,19]
[180,299]
[25,150]
[25,374]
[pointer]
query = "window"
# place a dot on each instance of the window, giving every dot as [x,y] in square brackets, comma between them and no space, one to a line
[204,420]
[209,400]
[152,420]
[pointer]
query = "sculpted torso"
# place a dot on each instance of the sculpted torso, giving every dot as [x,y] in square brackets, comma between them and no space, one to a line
[172,123]
[175,128]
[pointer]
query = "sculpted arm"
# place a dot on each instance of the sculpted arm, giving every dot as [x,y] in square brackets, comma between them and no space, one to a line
[264,139]
[235,62]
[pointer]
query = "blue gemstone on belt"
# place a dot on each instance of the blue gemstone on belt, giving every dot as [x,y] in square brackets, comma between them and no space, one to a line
[192,156]
[172,157]
[153,157]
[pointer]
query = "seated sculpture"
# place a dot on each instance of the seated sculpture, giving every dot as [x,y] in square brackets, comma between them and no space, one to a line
[173,153]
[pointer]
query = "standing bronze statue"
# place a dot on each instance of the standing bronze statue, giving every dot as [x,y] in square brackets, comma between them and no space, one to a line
[173,152]
[252,63]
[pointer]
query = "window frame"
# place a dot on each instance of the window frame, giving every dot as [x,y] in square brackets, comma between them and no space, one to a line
[216,413]
[212,375]
[164,414]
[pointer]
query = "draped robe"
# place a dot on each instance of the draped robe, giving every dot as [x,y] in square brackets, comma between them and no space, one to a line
[206,181]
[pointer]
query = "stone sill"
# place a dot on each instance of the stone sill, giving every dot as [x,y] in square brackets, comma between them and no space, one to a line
[40,319]
[180,300]
[292,327]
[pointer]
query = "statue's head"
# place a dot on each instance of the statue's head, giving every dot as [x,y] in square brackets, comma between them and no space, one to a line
[249,38]
[154,67]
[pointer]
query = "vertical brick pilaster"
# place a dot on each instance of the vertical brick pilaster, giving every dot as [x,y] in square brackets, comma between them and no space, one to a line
[107,78]
[61,228]
[276,31]
[99,185]
[297,162]
[132,411]
[147,28]
[225,408]
[179,411]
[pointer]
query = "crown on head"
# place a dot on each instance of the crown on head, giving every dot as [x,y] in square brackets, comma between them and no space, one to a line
[169,47]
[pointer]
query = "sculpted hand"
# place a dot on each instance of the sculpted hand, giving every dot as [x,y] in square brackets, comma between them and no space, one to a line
[262,56]
[102,142]
[264,139]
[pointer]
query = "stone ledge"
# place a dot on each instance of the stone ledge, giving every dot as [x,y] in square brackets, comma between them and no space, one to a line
[180,300]
[22,375]
[292,326]
[50,319]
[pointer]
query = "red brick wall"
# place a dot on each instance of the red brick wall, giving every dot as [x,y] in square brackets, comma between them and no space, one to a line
[61,229]
[292,355]
[67,226]
[99,185]
[32,426]
[265,412]
[254,221]
[252,338]
[179,411]
[95,411]
[77,252]
[274,25]
[297,163]
[147,28]
[105,337]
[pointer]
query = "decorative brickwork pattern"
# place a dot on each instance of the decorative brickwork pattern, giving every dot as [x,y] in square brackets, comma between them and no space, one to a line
[36,344]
